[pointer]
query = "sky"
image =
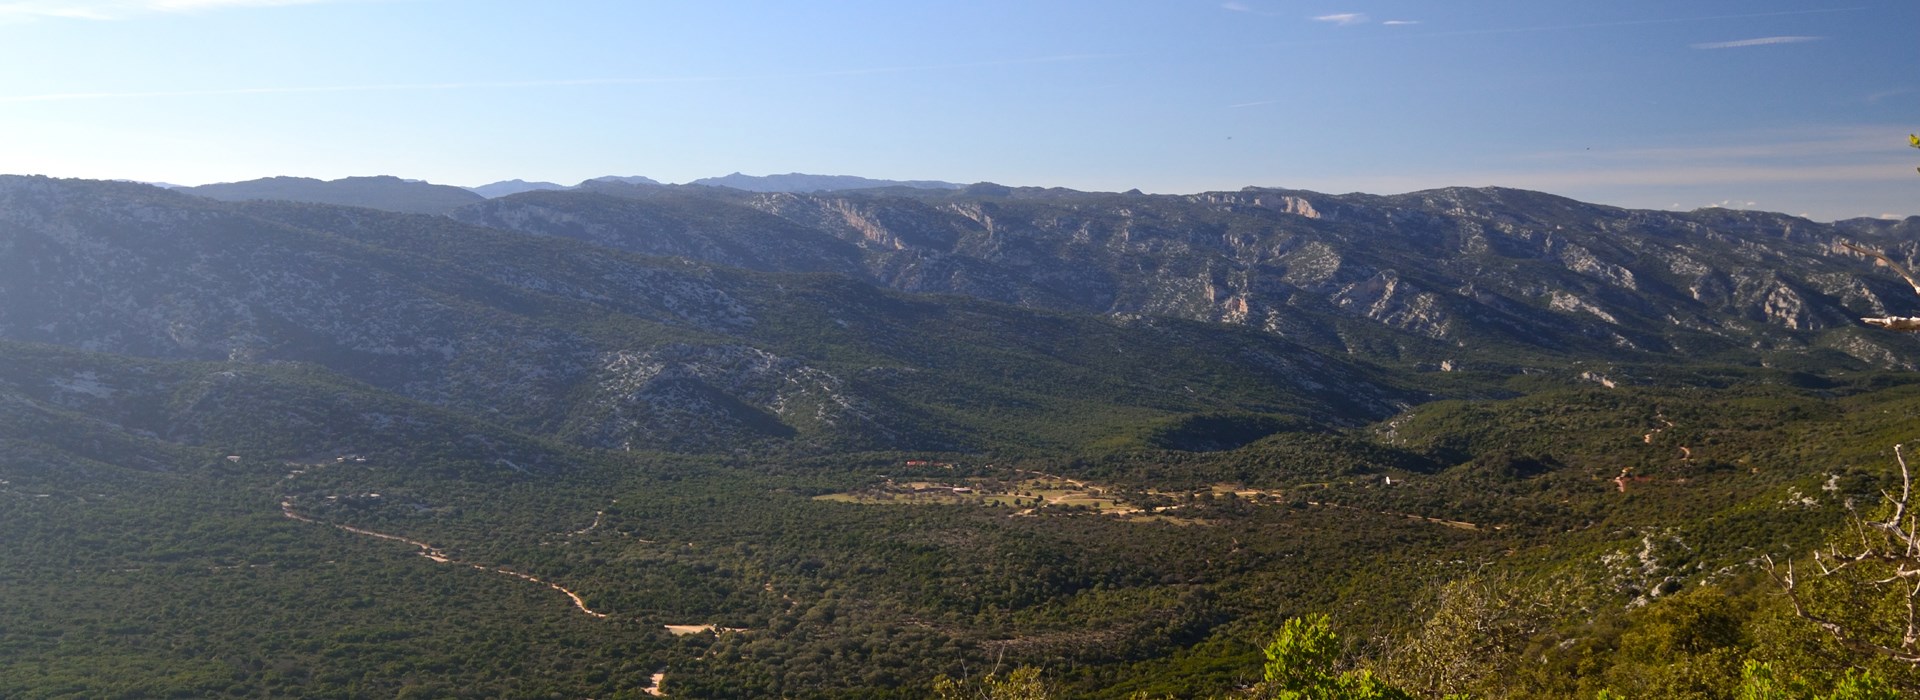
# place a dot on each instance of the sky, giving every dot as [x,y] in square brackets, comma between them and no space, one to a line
[1782,105]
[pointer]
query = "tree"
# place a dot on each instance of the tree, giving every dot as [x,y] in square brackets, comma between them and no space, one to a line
[1758,681]
[1866,583]
[1479,624]
[1023,683]
[1300,666]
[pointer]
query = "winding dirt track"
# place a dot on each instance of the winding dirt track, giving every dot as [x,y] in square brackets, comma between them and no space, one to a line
[434,553]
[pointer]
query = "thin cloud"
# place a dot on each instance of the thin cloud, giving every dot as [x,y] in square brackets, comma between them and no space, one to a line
[1754,146]
[570,82]
[1563,180]
[1400,22]
[103,10]
[1343,19]
[1232,6]
[1843,172]
[1762,41]
[1875,98]
[1742,163]
[1642,22]
[1253,104]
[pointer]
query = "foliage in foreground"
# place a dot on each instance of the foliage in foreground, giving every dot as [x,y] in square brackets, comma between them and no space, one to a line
[1301,663]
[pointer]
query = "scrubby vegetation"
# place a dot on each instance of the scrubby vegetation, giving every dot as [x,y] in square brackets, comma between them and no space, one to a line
[1556,544]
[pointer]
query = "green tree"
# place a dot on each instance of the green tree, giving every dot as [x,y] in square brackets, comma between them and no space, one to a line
[1758,681]
[1023,683]
[1479,625]
[1688,646]
[1301,662]
[1863,588]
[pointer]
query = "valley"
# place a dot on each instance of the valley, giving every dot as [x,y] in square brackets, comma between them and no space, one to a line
[629,440]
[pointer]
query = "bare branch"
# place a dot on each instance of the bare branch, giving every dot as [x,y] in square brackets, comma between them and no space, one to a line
[1884,260]
[1894,543]
[1893,323]
[1912,634]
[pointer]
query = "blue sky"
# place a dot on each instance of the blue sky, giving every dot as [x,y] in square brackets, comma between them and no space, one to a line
[1801,107]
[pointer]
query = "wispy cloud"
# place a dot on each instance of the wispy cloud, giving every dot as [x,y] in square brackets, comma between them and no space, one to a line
[124,9]
[1794,145]
[1253,104]
[1232,6]
[1762,41]
[1343,19]
[1400,22]
[1828,172]
[1739,166]
[1643,22]
[1784,166]
[1684,175]
[1875,98]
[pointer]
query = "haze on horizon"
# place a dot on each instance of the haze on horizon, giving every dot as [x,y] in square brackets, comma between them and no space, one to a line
[1782,105]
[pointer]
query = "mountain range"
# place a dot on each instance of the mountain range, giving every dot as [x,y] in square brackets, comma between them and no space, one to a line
[519,306]
[413,196]
[613,349]
[1439,277]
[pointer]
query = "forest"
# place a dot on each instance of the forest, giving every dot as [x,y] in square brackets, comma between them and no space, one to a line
[1575,541]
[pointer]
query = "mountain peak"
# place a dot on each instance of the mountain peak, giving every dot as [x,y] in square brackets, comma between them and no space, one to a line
[803,182]
[624,180]
[384,192]
[514,186]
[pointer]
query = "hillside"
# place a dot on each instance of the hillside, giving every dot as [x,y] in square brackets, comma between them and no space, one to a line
[1448,277]
[618,350]
[635,438]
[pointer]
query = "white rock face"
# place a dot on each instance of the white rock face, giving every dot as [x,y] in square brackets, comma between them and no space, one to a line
[1581,260]
[1384,298]
[1562,301]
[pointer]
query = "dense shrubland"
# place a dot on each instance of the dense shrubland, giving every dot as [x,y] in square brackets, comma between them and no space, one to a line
[138,566]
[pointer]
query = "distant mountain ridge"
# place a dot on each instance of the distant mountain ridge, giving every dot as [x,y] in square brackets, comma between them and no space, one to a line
[605,348]
[622,179]
[789,182]
[383,192]
[802,182]
[507,187]
[1441,277]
